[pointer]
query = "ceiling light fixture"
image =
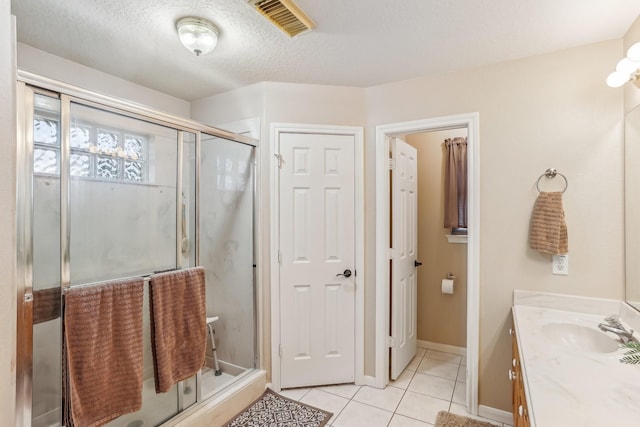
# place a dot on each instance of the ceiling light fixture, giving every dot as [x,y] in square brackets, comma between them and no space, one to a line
[197,35]
[627,69]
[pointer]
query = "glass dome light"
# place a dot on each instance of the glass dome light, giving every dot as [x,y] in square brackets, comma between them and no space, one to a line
[627,66]
[617,79]
[197,35]
[633,54]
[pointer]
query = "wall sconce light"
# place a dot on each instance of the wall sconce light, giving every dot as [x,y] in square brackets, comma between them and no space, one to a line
[628,69]
[197,35]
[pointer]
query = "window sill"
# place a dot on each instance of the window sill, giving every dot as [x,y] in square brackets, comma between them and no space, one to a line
[457,238]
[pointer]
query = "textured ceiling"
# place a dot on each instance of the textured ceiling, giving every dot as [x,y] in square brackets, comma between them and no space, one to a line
[356,43]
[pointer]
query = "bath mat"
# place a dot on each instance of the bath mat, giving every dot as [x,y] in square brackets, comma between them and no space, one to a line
[274,410]
[447,419]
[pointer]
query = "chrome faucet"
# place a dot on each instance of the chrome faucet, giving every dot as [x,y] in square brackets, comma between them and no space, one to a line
[613,324]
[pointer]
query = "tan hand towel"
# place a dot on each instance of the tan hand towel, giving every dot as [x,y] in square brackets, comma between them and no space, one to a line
[103,339]
[178,325]
[548,233]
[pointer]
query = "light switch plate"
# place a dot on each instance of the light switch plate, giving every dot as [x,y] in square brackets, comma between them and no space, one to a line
[560,265]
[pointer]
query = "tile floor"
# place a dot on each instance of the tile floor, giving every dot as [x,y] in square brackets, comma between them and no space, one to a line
[434,381]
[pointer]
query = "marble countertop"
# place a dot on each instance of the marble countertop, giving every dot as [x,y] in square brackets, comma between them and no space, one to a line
[566,383]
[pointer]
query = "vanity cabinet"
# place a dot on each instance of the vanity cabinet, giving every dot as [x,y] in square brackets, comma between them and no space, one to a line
[519,399]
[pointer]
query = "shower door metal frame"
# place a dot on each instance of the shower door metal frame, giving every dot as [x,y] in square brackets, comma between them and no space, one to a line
[28,85]
[24,255]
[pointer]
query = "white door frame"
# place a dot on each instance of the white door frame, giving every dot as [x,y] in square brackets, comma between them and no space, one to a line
[471,122]
[358,134]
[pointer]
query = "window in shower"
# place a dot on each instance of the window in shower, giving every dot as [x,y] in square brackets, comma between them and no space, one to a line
[105,153]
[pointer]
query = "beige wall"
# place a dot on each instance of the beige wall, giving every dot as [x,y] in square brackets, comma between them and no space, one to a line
[551,110]
[240,104]
[441,317]
[631,91]
[54,67]
[7,218]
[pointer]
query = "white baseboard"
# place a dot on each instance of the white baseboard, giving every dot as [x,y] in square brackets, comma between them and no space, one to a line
[495,414]
[442,347]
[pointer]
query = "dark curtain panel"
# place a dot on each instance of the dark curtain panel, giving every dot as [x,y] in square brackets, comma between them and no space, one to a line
[455,183]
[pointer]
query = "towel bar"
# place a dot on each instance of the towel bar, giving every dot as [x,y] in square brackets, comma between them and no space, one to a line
[551,173]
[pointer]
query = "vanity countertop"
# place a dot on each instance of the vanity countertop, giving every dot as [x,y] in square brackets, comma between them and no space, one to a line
[566,383]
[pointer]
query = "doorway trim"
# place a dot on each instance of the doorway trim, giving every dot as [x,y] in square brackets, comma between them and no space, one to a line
[470,121]
[358,134]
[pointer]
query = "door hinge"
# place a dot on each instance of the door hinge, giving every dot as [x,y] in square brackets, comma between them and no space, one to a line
[278,157]
[391,342]
[391,253]
[392,164]
[280,350]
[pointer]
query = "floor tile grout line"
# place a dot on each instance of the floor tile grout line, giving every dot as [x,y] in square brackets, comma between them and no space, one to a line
[404,391]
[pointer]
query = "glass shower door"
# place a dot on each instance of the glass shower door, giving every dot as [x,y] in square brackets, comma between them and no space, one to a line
[105,194]
[122,206]
[45,165]
[227,253]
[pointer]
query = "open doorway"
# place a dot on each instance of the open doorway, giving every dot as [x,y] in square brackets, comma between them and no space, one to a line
[416,130]
[441,316]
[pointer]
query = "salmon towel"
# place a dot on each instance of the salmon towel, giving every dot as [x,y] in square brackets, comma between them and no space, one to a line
[548,232]
[178,325]
[103,339]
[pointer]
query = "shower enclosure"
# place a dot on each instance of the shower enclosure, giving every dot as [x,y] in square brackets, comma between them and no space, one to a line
[110,190]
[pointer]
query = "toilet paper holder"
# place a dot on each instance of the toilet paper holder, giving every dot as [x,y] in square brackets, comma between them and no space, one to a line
[450,276]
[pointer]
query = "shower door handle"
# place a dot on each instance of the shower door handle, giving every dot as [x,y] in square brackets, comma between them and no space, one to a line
[346,273]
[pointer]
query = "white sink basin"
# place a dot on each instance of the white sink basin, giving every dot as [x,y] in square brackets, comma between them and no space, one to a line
[580,337]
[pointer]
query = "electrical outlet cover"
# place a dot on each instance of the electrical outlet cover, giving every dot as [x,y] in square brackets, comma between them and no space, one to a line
[561,264]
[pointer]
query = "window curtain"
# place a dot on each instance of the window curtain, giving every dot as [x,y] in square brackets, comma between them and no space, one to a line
[455,183]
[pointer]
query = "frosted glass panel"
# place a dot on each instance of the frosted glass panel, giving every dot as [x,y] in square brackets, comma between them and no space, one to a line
[226,246]
[119,228]
[47,392]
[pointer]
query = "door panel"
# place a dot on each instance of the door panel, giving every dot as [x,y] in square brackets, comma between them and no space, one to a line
[317,242]
[404,209]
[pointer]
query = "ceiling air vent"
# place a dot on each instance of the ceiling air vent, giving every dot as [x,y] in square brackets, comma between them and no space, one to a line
[285,14]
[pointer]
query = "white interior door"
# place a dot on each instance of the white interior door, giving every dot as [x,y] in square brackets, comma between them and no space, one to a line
[317,247]
[404,208]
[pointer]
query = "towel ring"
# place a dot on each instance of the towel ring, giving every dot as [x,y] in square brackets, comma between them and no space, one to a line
[551,173]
